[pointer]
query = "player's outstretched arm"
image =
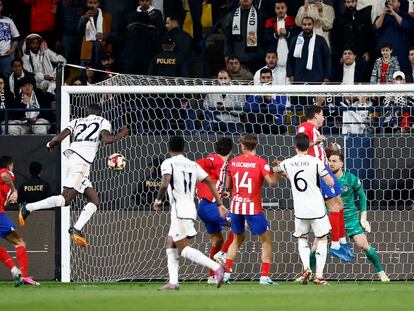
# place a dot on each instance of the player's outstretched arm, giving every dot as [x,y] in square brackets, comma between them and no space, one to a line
[222,210]
[165,181]
[108,138]
[57,139]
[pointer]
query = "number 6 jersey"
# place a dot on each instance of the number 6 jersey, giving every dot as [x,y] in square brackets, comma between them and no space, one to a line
[247,173]
[304,172]
[86,135]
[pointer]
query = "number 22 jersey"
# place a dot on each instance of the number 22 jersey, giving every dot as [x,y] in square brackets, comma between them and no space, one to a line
[86,136]
[247,173]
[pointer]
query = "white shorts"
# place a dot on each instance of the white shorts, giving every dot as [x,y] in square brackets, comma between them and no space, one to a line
[320,227]
[77,173]
[181,228]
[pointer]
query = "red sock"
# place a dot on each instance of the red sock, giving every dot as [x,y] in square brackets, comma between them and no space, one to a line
[213,251]
[228,242]
[22,259]
[265,268]
[334,220]
[5,258]
[341,224]
[229,263]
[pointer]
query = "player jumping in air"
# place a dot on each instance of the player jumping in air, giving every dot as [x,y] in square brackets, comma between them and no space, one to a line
[179,177]
[332,196]
[304,173]
[86,136]
[246,174]
[355,225]
[8,195]
[215,165]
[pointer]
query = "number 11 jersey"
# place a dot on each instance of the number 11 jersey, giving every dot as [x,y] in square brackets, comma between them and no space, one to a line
[86,136]
[304,172]
[247,173]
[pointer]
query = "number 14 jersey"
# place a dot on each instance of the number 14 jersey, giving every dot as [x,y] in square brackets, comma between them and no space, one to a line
[304,172]
[86,135]
[247,173]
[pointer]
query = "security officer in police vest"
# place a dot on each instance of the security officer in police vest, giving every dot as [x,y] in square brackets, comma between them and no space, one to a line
[35,188]
[166,63]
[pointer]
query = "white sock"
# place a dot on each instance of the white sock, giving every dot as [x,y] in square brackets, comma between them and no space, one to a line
[173,265]
[198,257]
[342,240]
[321,252]
[55,201]
[304,252]
[86,214]
[335,245]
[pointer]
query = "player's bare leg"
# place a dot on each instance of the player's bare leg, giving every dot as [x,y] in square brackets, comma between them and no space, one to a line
[362,242]
[266,239]
[221,255]
[321,253]
[216,240]
[67,196]
[21,256]
[172,265]
[89,209]
[238,240]
[195,255]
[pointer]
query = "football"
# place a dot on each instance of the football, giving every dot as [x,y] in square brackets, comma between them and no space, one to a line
[116,162]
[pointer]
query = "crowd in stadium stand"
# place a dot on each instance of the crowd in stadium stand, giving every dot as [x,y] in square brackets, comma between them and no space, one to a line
[298,41]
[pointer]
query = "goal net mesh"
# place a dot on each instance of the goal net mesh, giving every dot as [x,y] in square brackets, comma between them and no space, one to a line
[127,239]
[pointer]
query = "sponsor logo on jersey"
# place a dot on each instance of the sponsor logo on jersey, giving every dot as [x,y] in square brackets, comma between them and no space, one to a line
[243,164]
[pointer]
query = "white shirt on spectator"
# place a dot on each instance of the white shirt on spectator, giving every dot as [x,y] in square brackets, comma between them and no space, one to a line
[278,74]
[8,31]
[349,74]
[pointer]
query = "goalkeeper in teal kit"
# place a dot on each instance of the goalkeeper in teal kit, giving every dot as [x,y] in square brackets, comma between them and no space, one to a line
[355,225]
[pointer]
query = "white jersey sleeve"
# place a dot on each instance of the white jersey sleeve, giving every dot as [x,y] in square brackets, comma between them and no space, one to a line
[322,171]
[166,167]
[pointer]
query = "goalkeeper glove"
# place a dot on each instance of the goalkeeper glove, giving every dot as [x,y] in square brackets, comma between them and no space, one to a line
[364,223]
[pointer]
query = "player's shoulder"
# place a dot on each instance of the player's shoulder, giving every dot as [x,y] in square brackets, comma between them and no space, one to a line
[305,126]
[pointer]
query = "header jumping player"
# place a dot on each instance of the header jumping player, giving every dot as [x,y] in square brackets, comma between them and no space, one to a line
[246,174]
[215,165]
[179,177]
[355,226]
[332,196]
[87,134]
[304,172]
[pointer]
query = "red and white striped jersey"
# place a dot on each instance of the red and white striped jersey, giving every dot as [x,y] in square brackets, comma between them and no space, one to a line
[247,173]
[317,151]
[215,167]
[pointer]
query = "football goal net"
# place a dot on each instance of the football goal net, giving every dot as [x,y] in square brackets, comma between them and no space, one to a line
[372,123]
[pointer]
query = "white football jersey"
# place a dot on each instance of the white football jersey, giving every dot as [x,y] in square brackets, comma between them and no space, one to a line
[86,135]
[184,176]
[304,172]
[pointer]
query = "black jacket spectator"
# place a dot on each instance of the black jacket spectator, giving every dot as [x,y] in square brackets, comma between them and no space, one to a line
[322,64]
[360,74]
[248,47]
[142,38]
[6,102]
[166,63]
[353,28]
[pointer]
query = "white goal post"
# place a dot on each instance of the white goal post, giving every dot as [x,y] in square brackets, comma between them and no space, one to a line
[108,90]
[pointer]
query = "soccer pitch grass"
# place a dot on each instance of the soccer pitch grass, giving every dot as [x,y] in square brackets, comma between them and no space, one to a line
[286,296]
